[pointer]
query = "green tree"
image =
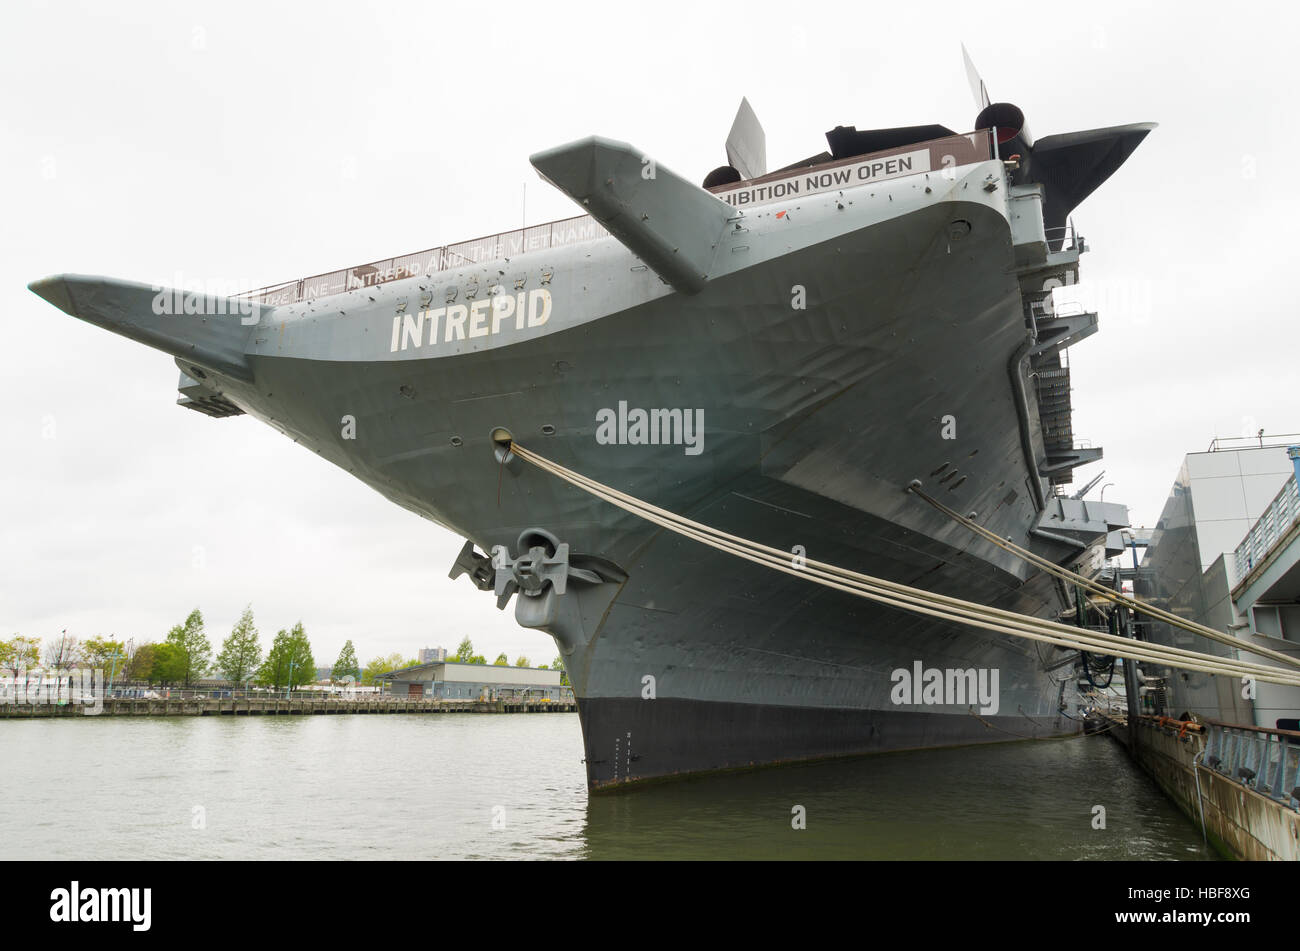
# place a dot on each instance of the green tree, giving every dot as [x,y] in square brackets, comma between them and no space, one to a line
[303,668]
[381,665]
[142,661]
[103,654]
[522,661]
[558,664]
[98,653]
[240,652]
[465,653]
[193,645]
[346,665]
[19,653]
[274,671]
[170,665]
[501,661]
[289,661]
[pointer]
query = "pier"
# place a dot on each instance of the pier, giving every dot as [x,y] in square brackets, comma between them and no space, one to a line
[1237,782]
[276,706]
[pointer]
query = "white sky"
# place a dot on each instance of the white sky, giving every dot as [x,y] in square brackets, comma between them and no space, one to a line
[252,143]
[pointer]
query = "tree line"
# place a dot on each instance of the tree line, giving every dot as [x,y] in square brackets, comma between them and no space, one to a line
[184,656]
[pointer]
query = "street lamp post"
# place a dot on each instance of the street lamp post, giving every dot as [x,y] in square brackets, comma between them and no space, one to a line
[112,674]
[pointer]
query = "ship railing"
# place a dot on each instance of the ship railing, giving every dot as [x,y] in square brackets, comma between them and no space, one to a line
[1268,529]
[1070,240]
[942,153]
[1231,443]
[1260,758]
[1044,307]
[490,248]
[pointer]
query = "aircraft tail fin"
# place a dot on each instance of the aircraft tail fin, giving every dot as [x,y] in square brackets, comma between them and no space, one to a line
[671,224]
[1074,164]
[747,144]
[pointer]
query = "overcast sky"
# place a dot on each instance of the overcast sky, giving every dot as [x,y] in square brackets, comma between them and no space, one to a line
[250,144]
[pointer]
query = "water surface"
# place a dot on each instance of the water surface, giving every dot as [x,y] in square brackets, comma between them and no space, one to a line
[512,786]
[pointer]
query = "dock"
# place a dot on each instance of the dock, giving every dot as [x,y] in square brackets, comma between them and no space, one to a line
[273,706]
[1237,782]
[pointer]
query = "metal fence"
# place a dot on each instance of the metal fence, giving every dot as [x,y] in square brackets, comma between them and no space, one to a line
[1232,443]
[1065,236]
[145,692]
[1271,526]
[1267,761]
[496,247]
[943,154]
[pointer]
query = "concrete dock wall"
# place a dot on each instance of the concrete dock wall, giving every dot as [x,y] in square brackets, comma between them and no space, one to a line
[1239,821]
[202,707]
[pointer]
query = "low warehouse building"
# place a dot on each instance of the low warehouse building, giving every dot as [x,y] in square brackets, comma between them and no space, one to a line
[449,680]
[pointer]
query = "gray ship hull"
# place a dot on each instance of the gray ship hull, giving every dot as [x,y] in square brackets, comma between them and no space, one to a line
[815,422]
[753,667]
[816,418]
[628,741]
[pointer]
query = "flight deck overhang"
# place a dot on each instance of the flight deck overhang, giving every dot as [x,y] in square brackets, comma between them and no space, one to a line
[206,330]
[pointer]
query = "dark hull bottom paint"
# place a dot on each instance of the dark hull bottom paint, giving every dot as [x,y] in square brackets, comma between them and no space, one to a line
[629,740]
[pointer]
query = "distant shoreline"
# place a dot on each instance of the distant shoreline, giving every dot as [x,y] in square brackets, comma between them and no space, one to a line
[272,706]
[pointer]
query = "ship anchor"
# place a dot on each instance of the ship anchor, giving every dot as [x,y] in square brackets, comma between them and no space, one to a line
[540,573]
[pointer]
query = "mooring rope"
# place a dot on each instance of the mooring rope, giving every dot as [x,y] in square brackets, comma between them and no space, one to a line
[1101,590]
[912,599]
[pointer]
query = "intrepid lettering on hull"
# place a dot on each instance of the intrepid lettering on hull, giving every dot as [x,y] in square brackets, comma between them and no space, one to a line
[846,176]
[479,318]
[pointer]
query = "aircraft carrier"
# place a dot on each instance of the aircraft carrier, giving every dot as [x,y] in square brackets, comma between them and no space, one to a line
[777,354]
